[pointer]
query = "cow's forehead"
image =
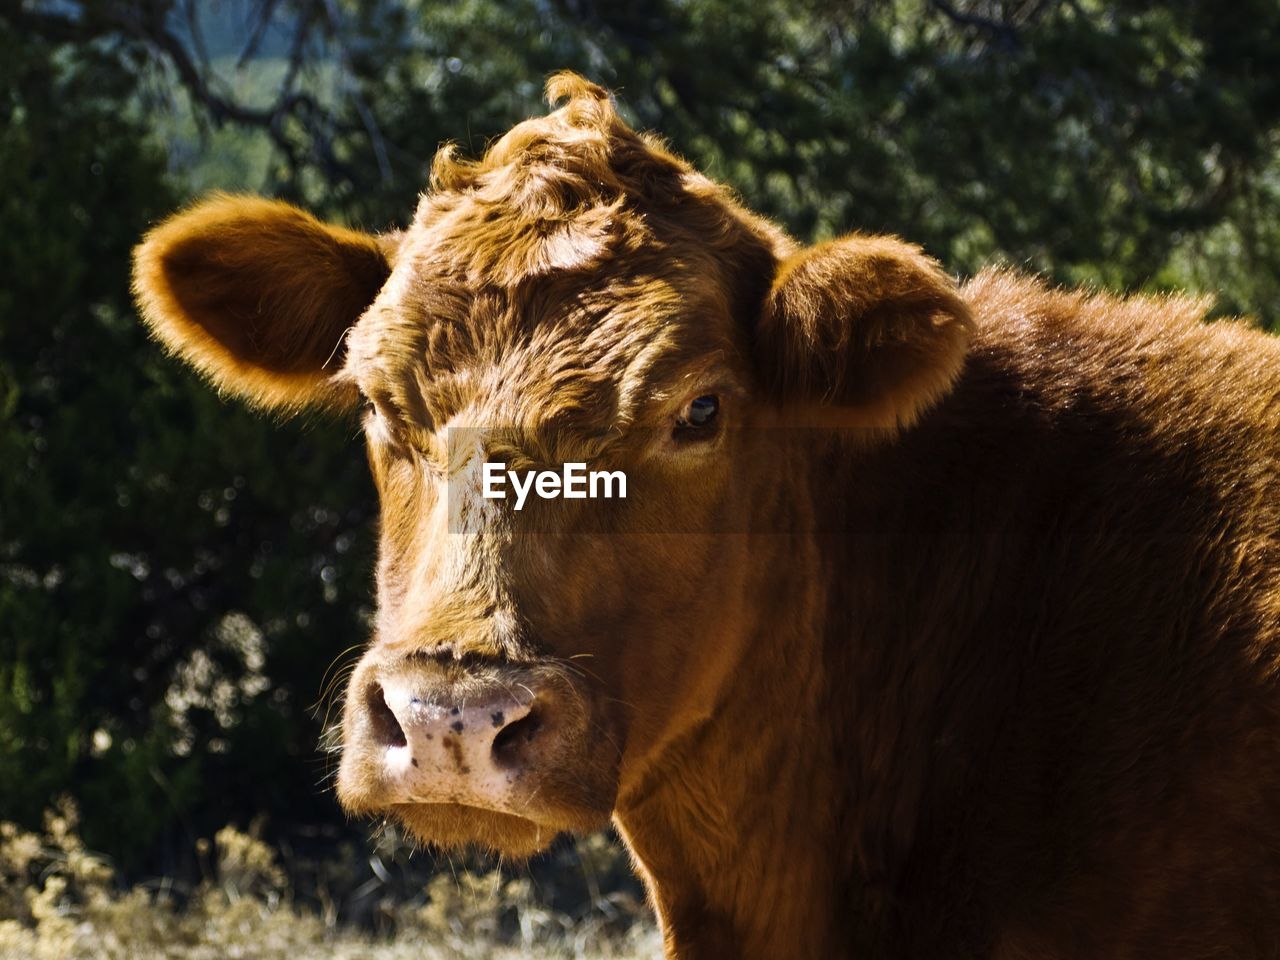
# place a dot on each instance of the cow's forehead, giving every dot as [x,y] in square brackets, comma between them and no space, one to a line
[577,264]
[604,342]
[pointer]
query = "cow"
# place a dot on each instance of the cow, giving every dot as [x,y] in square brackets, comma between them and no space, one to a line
[938,619]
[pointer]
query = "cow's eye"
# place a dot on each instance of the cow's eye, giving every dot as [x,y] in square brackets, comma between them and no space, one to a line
[699,415]
[383,426]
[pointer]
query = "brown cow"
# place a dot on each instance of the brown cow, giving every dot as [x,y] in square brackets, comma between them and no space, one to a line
[937,621]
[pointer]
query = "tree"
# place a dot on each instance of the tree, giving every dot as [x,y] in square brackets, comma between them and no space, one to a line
[140,516]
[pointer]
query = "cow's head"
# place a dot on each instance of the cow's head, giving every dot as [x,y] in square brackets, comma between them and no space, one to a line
[579,294]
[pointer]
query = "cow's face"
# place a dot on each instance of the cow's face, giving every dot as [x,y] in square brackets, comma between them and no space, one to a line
[578,296]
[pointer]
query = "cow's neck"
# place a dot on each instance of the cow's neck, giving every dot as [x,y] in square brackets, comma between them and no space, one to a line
[735,829]
[736,866]
[787,834]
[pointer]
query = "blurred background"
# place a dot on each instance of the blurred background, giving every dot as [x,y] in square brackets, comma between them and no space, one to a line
[183,583]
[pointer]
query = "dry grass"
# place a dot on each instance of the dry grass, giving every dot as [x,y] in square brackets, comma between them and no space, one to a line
[59,901]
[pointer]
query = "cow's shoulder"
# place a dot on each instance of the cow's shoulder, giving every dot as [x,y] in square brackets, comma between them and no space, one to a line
[1154,361]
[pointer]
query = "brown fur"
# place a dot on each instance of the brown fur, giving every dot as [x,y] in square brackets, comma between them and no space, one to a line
[257,294]
[866,324]
[984,667]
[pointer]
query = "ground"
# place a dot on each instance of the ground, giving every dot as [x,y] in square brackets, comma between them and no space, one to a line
[59,901]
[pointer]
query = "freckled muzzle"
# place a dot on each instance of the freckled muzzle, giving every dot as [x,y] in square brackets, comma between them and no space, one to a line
[452,750]
[418,732]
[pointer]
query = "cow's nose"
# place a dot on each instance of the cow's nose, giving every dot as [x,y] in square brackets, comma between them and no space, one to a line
[436,748]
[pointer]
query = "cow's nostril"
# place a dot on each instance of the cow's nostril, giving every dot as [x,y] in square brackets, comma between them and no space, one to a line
[511,741]
[382,722]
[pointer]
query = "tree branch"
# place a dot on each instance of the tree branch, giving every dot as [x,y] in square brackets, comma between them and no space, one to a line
[1001,30]
[149,23]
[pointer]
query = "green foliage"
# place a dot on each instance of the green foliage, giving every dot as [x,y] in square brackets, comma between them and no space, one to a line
[77,187]
[175,573]
[1117,143]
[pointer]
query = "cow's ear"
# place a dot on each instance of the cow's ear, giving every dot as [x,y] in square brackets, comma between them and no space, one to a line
[258,295]
[867,328]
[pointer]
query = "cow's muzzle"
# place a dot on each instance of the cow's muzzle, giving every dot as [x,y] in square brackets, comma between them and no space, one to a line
[499,738]
[438,747]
